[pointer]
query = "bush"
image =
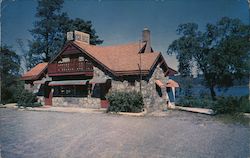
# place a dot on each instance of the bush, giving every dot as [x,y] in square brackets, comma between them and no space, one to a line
[125,101]
[244,104]
[223,105]
[11,92]
[196,102]
[232,105]
[27,99]
[226,105]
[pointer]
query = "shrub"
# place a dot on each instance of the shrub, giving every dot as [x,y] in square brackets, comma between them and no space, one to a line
[11,92]
[125,101]
[222,105]
[244,104]
[226,105]
[27,99]
[196,102]
[232,105]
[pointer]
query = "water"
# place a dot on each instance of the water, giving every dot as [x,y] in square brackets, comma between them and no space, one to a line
[232,91]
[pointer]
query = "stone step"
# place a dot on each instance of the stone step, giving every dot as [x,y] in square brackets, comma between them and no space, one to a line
[196,110]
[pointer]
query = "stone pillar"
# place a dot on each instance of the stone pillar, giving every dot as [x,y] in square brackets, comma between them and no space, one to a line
[165,98]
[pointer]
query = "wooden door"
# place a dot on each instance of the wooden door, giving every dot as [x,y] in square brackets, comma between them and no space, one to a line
[48,94]
[104,88]
[104,103]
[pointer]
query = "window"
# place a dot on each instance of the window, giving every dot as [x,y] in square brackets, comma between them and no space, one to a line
[158,90]
[64,60]
[81,59]
[131,83]
[71,91]
[168,89]
[65,90]
[81,91]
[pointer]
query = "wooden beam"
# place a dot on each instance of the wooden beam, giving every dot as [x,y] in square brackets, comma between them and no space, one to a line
[88,73]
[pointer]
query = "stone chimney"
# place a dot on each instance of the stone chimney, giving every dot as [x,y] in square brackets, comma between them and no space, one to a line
[146,38]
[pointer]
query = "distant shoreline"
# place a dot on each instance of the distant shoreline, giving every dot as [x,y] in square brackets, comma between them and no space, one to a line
[240,86]
[220,91]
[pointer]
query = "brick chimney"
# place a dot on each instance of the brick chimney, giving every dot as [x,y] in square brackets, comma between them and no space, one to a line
[146,38]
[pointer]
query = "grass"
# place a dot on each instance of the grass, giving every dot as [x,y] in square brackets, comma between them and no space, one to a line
[223,105]
[233,119]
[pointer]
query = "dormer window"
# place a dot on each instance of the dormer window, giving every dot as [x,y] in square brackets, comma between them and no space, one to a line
[64,60]
[81,59]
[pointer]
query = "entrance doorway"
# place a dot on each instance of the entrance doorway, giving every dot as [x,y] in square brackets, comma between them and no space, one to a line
[48,94]
[104,88]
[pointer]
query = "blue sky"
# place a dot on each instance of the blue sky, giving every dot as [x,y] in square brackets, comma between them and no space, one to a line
[122,21]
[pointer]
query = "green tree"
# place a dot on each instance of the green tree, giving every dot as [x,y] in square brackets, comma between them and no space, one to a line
[9,68]
[46,36]
[49,32]
[220,52]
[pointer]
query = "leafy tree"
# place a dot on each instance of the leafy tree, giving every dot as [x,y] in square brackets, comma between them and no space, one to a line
[220,52]
[50,29]
[9,68]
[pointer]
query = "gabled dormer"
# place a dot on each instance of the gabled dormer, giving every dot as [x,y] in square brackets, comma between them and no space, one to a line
[71,61]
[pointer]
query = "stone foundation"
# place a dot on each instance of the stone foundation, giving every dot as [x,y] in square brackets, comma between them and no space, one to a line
[76,102]
[32,88]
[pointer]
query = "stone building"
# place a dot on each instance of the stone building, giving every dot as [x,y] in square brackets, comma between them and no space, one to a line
[82,74]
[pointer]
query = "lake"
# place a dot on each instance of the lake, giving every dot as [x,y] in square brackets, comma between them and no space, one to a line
[232,91]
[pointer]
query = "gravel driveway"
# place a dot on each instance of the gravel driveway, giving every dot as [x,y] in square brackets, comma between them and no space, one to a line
[51,134]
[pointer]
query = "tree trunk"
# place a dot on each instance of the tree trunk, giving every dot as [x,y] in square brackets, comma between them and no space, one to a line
[47,47]
[212,92]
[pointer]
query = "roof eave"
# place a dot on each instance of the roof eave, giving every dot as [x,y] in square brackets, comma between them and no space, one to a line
[152,66]
[29,78]
[133,72]
[35,77]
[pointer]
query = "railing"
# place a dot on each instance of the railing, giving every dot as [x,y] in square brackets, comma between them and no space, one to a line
[70,67]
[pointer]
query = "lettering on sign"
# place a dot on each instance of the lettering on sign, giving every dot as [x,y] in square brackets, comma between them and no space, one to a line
[70,36]
[81,36]
[78,36]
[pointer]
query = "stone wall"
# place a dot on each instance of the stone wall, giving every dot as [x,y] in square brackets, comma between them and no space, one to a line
[156,102]
[85,102]
[152,100]
[32,88]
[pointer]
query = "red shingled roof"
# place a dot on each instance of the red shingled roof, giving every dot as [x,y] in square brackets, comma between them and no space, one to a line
[35,72]
[121,59]
[171,72]
[172,83]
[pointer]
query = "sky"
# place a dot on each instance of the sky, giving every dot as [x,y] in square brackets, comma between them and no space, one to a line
[122,21]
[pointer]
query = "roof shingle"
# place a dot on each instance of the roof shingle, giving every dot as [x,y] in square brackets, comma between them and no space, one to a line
[35,72]
[121,58]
